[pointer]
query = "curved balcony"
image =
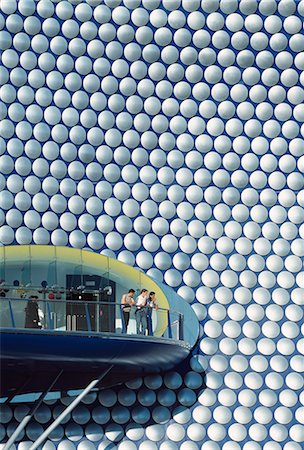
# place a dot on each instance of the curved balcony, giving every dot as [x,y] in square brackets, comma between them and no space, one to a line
[77,328]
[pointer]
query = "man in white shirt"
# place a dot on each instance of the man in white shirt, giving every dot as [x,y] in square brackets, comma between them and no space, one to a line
[141,312]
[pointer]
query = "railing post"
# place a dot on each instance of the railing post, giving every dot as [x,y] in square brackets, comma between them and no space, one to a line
[149,323]
[50,316]
[123,325]
[87,317]
[169,324]
[181,327]
[12,314]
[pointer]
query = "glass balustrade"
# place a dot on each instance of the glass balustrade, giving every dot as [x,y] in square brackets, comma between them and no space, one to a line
[81,291]
[72,312]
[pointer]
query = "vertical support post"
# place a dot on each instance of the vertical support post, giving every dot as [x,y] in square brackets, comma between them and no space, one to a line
[50,316]
[97,318]
[123,325]
[149,322]
[87,317]
[169,324]
[11,314]
[181,327]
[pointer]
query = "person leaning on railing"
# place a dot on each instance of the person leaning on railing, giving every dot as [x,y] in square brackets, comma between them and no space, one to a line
[141,312]
[151,303]
[127,301]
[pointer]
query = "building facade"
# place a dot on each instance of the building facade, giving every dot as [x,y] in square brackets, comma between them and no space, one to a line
[167,135]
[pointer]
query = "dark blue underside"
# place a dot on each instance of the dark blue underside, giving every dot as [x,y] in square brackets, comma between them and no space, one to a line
[31,359]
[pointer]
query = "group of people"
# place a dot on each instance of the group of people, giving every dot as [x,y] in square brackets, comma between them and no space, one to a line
[143,306]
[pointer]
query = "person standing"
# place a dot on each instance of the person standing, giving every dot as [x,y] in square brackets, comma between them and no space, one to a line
[127,301]
[141,312]
[151,304]
[32,319]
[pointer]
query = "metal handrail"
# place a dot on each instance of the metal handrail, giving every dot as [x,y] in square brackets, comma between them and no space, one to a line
[81,301]
[173,317]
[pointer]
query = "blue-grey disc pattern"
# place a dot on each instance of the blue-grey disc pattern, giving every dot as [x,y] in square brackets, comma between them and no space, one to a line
[169,135]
